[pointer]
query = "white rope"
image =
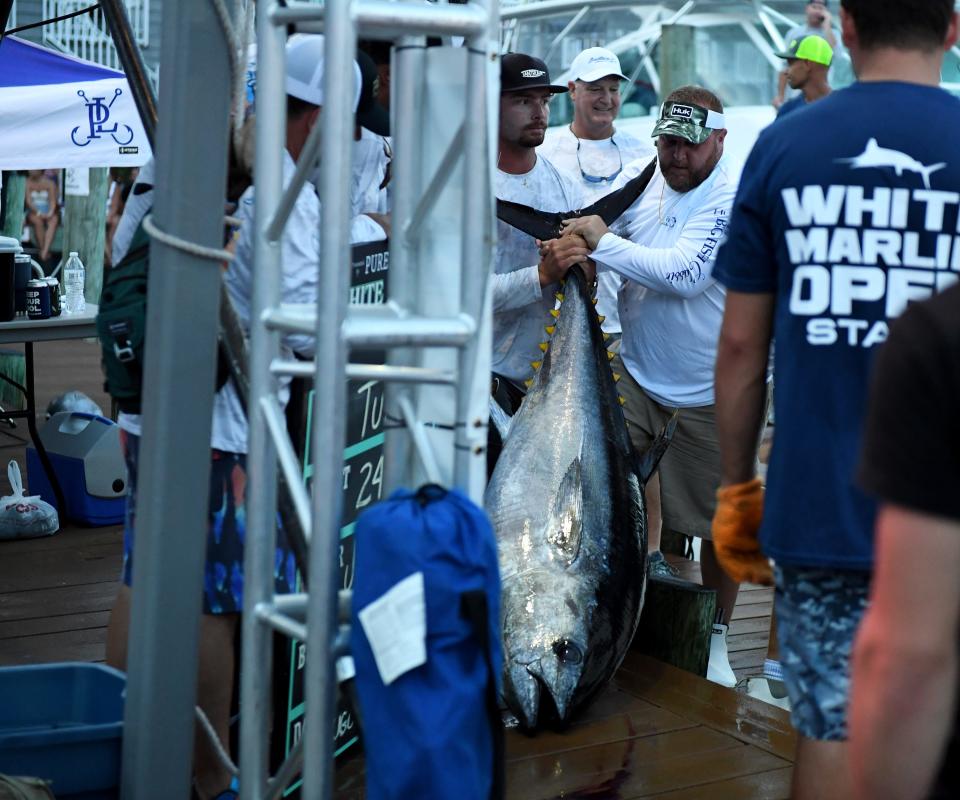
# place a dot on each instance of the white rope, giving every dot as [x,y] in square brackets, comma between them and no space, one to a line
[222,755]
[236,50]
[194,249]
[239,79]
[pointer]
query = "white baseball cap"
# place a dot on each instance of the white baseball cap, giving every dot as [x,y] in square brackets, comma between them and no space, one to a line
[595,63]
[305,69]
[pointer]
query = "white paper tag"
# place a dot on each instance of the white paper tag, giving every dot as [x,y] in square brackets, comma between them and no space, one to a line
[396,627]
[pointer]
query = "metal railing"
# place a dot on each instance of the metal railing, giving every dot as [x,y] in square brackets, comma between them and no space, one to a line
[418,332]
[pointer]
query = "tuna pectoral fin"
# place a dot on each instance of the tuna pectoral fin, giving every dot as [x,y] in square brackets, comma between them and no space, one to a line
[566,520]
[648,462]
[500,419]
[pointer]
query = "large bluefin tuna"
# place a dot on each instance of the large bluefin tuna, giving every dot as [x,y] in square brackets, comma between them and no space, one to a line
[566,503]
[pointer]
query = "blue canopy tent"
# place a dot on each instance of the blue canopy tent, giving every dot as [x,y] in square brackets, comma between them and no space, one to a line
[60,111]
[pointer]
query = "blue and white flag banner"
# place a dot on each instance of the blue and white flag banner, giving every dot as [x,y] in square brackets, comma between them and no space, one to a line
[58,111]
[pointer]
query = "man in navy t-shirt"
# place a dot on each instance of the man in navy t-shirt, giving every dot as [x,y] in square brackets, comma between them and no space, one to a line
[842,217]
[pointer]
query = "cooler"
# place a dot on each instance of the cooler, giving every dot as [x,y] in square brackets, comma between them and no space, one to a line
[63,723]
[86,456]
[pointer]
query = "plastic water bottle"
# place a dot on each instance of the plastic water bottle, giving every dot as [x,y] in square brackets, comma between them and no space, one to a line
[74,278]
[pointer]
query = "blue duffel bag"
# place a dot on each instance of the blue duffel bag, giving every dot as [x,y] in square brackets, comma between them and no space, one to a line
[426,598]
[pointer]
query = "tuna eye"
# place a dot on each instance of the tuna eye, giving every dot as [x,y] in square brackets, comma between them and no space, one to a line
[568,652]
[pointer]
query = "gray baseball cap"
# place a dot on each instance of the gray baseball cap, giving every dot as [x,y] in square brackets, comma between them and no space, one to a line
[688,121]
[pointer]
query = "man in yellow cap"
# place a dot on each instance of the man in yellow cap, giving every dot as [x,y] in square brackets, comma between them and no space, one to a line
[808,62]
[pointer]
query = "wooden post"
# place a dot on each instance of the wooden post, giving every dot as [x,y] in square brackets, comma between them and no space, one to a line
[14,190]
[85,227]
[676,623]
[678,58]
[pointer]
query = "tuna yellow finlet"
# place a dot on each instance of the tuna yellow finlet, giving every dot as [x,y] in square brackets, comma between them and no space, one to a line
[554,313]
[601,318]
[616,377]
[606,337]
[529,382]
[622,400]
[559,296]
[550,329]
[610,355]
[544,346]
[536,364]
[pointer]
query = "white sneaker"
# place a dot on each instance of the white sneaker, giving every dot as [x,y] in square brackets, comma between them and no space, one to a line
[759,688]
[718,667]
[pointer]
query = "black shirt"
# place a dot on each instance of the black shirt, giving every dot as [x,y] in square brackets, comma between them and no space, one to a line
[911,446]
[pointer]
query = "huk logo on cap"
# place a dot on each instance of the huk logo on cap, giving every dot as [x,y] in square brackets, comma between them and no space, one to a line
[533,73]
[685,112]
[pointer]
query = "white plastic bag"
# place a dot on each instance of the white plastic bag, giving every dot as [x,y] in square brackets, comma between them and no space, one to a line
[24,517]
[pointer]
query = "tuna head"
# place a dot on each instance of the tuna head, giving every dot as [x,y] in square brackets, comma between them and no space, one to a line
[545,647]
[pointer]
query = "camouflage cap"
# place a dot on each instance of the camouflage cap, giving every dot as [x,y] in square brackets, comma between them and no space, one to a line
[688,121]
[809,48]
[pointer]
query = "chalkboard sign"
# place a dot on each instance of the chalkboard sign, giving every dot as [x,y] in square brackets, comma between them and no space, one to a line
[362,486]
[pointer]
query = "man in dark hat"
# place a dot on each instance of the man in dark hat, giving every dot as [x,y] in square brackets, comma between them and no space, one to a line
[524,283]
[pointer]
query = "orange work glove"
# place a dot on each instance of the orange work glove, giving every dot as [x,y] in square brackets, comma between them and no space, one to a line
[736,525]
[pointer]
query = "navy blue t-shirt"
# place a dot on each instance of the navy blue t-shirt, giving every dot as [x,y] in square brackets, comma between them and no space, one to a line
[794,104]
[845,215]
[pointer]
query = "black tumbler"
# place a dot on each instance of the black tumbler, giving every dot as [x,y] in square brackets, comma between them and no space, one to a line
[8,249]
[24,274]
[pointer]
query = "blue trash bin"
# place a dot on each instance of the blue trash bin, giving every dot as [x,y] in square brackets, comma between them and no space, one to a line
[64,723]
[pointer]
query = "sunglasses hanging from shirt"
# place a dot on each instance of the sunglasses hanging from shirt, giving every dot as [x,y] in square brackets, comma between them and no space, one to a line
[598,178]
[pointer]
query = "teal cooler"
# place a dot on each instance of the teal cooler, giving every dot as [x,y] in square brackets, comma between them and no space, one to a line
[64,723]
[85,452]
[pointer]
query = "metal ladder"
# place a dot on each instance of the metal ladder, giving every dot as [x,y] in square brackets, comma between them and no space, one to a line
[434,340]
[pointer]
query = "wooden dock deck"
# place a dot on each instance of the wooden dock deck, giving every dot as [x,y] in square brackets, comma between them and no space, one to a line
[656,731]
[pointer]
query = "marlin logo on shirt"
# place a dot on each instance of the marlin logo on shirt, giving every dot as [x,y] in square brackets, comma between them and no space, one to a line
[884,157]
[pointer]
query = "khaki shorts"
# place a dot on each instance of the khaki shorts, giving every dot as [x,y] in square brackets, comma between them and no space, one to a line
[690,469]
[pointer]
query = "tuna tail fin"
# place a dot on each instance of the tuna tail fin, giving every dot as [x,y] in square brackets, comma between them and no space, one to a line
[500,419]
[647,464]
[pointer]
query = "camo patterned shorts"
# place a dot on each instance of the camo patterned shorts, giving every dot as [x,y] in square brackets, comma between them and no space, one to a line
[818,611]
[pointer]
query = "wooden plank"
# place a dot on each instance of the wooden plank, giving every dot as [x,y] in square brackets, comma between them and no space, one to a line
[58,601]
[746,641]
[81,645]
[69,537]
[45,569]
[638,720]
[58,624]
[638,767]
[748,661]
[618,763]
[699,700]
[749,625]
[772,785]
[752,610]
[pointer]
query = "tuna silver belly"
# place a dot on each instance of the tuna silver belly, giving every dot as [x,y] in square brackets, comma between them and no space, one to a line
[566,503]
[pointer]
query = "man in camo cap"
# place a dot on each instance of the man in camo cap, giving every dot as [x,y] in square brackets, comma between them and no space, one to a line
[670,309]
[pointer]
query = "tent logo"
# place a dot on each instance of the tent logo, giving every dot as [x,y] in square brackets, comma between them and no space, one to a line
[98,113]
